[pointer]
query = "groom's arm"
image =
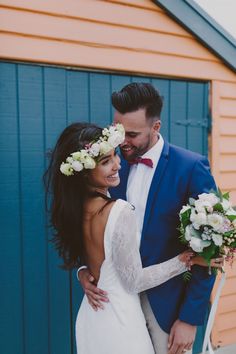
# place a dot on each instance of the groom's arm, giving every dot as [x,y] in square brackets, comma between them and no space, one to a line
[94,295]
[194,306]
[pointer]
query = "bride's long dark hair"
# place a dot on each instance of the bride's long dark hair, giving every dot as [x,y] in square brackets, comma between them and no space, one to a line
[65,194]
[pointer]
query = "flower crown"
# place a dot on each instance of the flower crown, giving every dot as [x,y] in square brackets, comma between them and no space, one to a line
[111,137]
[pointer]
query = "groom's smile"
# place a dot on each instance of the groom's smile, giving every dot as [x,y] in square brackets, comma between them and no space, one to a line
[141,133]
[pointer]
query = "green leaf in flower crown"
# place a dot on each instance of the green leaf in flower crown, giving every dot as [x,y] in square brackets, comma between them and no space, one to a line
[233,244]
[210,252]
[218,207]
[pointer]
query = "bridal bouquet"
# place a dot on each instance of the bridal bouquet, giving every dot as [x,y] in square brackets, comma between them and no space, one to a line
[208,226]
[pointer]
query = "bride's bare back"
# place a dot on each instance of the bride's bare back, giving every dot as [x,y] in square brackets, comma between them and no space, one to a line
[96,212]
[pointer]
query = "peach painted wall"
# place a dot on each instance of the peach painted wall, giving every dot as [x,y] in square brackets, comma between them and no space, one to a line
[133,36]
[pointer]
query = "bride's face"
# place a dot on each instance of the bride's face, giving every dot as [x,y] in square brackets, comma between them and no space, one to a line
[106,173]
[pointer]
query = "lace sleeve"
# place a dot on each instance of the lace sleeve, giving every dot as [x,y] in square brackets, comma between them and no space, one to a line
[127,261]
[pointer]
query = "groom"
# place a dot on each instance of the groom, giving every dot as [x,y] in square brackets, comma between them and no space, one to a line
[158,179]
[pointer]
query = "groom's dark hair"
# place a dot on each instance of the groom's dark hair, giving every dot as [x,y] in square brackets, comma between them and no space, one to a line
[138,95]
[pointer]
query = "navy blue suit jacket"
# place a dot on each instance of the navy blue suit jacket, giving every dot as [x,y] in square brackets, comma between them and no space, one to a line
[180,174]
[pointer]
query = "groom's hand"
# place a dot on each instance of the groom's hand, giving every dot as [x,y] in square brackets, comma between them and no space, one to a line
[95,295]
[181,337]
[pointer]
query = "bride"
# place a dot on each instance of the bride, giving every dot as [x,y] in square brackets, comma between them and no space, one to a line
[93,229]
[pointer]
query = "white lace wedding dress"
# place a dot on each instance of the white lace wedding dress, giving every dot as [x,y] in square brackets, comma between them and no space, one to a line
[120,328]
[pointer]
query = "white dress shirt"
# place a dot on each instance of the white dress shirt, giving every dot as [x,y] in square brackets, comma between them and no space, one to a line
[139,181]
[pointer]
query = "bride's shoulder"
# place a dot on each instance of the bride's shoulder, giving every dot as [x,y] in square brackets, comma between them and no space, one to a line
[125,204]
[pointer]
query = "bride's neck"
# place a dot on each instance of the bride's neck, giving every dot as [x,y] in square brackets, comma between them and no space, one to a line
[98,191]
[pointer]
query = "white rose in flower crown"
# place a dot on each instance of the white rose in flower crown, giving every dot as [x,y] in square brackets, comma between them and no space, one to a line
[120,128]
[198,219]
[69,159]
[215,220]
[209,197]
[94,149]
[105,147]
[76,155]
[197,244]
[112,129]
[66,169]
[218,239]
[84,154]
[77,166]
[184,208]
[105,132]
[89,163]
[115,139]
[203,205]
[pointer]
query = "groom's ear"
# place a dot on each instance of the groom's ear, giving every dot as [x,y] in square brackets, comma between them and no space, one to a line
[157,125]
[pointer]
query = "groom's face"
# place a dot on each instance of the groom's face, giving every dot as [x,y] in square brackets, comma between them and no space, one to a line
[140,133]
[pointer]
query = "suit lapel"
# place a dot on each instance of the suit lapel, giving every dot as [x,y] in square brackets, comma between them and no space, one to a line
[155,184]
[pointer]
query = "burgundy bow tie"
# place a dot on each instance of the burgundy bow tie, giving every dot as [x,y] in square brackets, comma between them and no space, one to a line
[147,162]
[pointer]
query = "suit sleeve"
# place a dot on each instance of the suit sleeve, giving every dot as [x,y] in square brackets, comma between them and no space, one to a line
[193,308]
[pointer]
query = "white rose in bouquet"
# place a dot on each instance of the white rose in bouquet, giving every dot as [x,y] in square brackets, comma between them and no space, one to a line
[218,239]
[188,234]
[203,205]
[215,220]
[198,219]
[197,244]
[209,197]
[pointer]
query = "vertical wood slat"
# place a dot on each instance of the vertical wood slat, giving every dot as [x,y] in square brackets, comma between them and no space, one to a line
[46,298]
[195,111]
[33,247]
[12,306]
[59,281]
[178,112]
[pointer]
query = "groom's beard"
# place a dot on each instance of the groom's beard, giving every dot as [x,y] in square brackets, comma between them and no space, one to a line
[131,152]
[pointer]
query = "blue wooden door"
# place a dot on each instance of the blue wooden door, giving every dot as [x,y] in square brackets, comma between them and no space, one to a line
[39,301]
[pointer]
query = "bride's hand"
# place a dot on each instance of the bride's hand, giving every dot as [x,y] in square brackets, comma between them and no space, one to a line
[215,262]
[186,257]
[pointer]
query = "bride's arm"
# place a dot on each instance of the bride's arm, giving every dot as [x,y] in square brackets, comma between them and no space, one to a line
[127,261]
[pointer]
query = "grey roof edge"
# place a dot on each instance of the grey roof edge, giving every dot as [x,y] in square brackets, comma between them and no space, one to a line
[193,18]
